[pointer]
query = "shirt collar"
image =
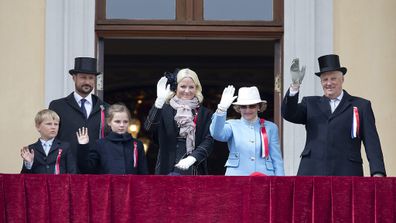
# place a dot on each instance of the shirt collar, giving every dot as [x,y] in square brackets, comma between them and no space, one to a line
[49,142]
[339,98]
[78,98]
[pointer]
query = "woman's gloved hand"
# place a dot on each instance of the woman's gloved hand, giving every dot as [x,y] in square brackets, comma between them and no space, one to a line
[163,91]
[185,163]
[227,98]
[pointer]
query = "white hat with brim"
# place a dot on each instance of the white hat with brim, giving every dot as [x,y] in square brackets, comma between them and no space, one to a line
[248,96]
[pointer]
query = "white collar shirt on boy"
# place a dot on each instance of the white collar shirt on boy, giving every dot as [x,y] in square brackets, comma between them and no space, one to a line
[47,145]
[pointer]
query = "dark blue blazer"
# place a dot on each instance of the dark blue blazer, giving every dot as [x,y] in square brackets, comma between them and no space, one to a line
[330,149]
[44,164]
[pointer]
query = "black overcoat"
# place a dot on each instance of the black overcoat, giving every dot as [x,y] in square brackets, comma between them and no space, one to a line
[113,154]
[330,149]
[72,118]
[44,164]
[161,123]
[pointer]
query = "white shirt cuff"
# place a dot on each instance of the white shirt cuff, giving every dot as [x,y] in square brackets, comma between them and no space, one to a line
[28,165]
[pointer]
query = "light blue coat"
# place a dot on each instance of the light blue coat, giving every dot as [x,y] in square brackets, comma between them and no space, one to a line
[244,142]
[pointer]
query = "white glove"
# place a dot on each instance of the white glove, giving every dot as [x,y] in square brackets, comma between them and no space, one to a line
[297,75]
[227,98]
[185,163]
[163,92]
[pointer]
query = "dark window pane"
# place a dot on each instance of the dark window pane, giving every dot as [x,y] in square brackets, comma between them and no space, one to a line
[261,10]
[141,9]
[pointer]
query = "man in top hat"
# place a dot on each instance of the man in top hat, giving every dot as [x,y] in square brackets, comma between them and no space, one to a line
[336,124]
[81,108]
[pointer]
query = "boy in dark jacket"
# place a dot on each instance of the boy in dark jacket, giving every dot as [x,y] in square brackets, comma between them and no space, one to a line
[48,155]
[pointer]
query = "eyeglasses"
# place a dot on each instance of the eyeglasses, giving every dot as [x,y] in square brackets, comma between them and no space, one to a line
[248,106]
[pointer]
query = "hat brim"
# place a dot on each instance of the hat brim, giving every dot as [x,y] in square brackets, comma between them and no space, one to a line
[249,102]
[73,72]
[342,69]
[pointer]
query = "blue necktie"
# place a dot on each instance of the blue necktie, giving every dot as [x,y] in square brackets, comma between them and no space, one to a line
[46,147]
[84,111]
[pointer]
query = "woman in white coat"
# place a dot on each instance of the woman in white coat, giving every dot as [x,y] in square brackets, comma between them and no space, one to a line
[253,142]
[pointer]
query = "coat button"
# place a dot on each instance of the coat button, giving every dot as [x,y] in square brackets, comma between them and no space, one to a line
[47,166]
[252,158]
[251,141]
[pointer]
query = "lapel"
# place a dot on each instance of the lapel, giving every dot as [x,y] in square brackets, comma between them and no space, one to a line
[39,148]
[169,121]
[95,105]
[71,101]
[324,106]
[55,145]
[345,103]
[199,115]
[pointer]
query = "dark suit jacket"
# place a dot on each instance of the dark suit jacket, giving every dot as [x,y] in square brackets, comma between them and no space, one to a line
[161,123]
[72,118]
[330,149]
[43,164]
[113,154]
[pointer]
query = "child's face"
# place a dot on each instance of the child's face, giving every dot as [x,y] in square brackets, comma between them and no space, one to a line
[48,129]
[119,123]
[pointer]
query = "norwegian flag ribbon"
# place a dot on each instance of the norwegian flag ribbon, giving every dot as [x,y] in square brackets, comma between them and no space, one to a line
[355,123]
[102,122]
[58,158]
[264,140]
[135,154]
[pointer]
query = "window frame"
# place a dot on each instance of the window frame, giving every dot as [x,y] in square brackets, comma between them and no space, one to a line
[189,12]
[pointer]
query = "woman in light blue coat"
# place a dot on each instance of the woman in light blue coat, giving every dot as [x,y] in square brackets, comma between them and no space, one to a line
[253,142]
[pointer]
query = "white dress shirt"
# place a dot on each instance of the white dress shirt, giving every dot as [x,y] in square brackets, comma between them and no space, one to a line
[46,145]
[88,104]
[336,101]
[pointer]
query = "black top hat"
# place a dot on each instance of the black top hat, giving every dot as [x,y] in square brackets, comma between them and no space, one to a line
[330,62]
[85,65]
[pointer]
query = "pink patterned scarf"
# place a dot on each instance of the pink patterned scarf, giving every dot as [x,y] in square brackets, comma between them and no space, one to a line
[185,119]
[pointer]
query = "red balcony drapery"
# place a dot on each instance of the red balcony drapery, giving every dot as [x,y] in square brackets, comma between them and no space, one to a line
[131,198]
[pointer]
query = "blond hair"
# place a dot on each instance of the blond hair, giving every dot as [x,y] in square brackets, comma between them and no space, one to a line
[118,107]
[45,114]
[186,72]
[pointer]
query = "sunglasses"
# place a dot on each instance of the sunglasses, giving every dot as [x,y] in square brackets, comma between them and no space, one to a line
[248,106]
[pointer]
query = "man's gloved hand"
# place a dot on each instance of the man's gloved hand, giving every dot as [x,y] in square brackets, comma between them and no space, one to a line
[297,75]
[163,92]
[185,163]
[227,98]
